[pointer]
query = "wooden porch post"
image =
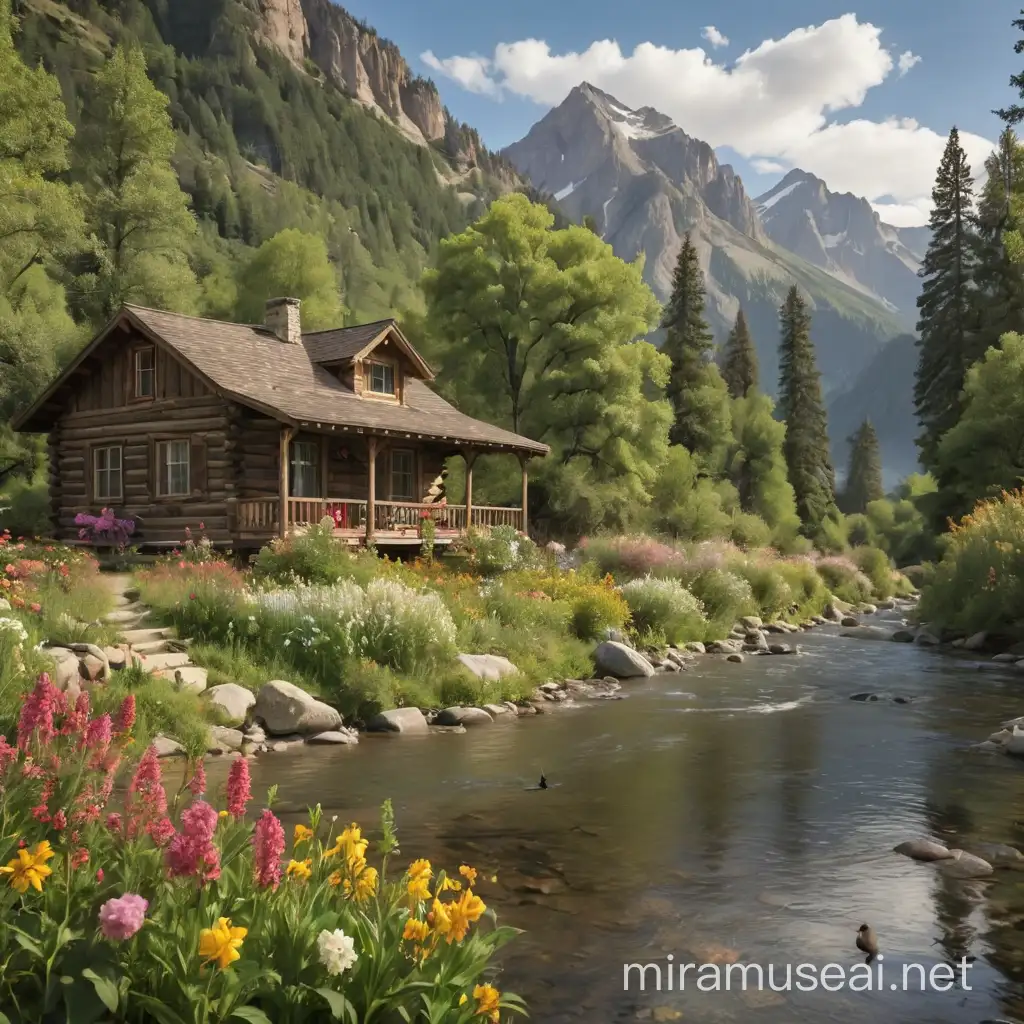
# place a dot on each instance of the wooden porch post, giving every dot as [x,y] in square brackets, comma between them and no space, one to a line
[523,459]
[282,512]
[469,455]
[371,490]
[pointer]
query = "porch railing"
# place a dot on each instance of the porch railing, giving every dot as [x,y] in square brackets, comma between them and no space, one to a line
[495,515]
[406,515]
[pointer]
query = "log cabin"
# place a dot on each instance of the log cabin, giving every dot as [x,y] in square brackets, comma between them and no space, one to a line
[255,431]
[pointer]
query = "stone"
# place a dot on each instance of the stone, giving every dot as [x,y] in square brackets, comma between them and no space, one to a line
[694,647]
[123,615]
[171,659]
[976,641]
[749,622]
[737,658]
[903,636]
[550,687]
[999,855]
[224,739]
[618,660]
[1006,658]
[923,850]
[925,638]
[166,747]
[1000,737]
[489,667]
[1015,744]
[723,647]
[233,701]
[867,608]
[188,678]
[65,667]
[117,657]
[781,649]
[965,865]
[867,633]
[283,707]
[755,641]
[464,716]
[254,734]
[511,706]
[987,747]
[887,605]
[405,721]
[92,668]
[494,710]
[335,737]
[849,621]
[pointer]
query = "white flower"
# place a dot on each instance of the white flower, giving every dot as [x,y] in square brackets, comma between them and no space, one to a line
[337,951]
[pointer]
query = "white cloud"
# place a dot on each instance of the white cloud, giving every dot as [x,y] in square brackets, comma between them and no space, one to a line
[907,61]
[714,37]
[767,166]
[903,215]
[776,103]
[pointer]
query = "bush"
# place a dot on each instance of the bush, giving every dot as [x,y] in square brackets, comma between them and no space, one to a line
[724,596]
[500,549]
[664,608]
[750,531]
[312,557]
[810,594]
[844,579]
[631,557]
[875,565]
[768,586]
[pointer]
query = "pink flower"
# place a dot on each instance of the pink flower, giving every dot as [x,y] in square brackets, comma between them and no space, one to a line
[80,857]
[126,715]
[98,734]
[147,801]
[239,788]
[268,847]
[121,918]
[191,851]
[76,719]
[8,755]
[99,875]
[197,784]
[161,830]
[36,718]
[60,821]
[114,822]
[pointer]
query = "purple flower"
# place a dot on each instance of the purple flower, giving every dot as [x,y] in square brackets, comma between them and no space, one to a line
[122,917]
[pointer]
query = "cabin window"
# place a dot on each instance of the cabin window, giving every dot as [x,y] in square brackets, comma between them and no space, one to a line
[106,468]
[305,465]
[173,465]
[145,372]
[403,464]
[382,379]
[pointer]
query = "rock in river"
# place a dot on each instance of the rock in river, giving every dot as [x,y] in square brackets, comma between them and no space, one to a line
[924,849]
[285,708]
[463,716]
[615,659]
[233,700]
[998,854]
[965,865]
[405,721]
[867,633]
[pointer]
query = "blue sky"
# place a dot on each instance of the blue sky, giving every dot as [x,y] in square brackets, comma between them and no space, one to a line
[826,77]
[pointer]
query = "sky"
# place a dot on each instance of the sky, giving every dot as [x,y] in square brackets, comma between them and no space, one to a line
[861,94]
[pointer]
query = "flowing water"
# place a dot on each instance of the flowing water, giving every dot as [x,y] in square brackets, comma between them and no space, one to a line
[732,810]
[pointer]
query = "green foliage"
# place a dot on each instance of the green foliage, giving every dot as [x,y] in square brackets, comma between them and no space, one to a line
[844,579]
[312,557]
[806,445]
[500,549]
[900,525]
[684,502]
[749,531]
[864,476]
[874,563]
[724,596]
[664,608]
[739,360]
[946,303]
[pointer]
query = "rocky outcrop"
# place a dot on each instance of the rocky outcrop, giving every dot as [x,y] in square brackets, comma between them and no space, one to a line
[282,25]
[616,659]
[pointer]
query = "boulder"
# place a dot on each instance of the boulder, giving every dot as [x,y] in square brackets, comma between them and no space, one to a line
[999,855]
[924,849]
[463,716]
[749,622]
[965,865]
[166,747]
[284,708]
[233,700]
[254,734]
[490,667]
[117,657]
[867,609]
[887,605]
[736,658]
[189,678]
[987,747]
[93,664]
[926,638]
[1015,744]
[405,721]
[65,668]
[494,710]
[781,649]
[976,641]
[694,647]
[622,662]
[849,621]
[755,641]
[335,737]
[903,636]
[723,647]
[1006,658]
[1001,737]
[223,739]
[867,633]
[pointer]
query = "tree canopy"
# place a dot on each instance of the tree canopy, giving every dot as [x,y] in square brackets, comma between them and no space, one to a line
[739,360]
[864,476]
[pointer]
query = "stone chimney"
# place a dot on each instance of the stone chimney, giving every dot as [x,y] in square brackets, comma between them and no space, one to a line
[283,318]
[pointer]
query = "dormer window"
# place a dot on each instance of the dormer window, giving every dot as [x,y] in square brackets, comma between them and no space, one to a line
[145,372]
[382,378]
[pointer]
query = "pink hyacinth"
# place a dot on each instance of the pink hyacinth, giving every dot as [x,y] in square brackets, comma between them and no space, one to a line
[37,712]
[197,784]
[268,847]
[98,734]
[8,755]
[161,830]
[239,788]
[125,715]
[60,821]
[121,918]
[80,857]
[191,851]
[114,822]
[76,719]
[147,801]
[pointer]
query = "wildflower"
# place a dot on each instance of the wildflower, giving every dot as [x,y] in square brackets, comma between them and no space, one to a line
[126,715]
[36,717]
[222,815]
[29,868]
[8,755]
[60,820]
[468,873]
[487,1001]
[77,718]
[337,951]
[462,913]
[191,851]
[239,788]
[301,869]
[419,874]
[161,831]
[114,822]
[302,834]
[197,784]
[122,917]
[99,875]
[220,943]
[438,918]
[452,884]
[365,885]
[415,931]
[80,857]
[268,845]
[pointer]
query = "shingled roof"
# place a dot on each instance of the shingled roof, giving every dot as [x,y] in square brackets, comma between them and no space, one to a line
[251,365]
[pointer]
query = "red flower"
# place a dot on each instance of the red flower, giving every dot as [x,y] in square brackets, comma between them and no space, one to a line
[191,597]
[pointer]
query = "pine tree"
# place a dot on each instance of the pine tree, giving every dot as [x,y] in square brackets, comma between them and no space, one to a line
[948,317]
[864,477]
[739,360]
[1014,114]
[800,404]
[688,344]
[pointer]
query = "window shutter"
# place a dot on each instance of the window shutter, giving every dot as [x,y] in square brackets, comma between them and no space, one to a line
[154,470]
[197,466]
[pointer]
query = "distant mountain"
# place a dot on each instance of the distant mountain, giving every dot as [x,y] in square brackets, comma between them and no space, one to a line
[646,182]
[844,236]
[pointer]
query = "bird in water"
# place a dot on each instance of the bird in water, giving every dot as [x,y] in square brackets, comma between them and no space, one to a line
[867,941]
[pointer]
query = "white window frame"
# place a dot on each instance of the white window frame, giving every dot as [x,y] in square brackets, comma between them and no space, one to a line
[304,469]
[168,459]
[411,495]
[105,470]
[385,370]
[145,372]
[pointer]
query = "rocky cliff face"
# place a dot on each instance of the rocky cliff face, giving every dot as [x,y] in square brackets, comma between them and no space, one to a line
[282,24]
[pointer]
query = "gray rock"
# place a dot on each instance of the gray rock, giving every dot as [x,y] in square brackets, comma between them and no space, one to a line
[999,855]
[777,627]
[189,678]
[1006,658]
[335,737]
[755,641]
[867,633]
[965,865]
[925,638]
[117,657]
[93,661]
[494,710]
[65,668]
[1015,744]
[232,700]
[166,747]
[924,849]
[284,708]
[255,734]
[695,647]
[987,747]
[749,622]
[976,641]
[849,621]
[886,605]
[737,658]
[867,609]
[464,716]
[405,721]
[1001,737]
[490,667]
[224,739]
[781,649]
[622,662]
[903,636]
[723,647]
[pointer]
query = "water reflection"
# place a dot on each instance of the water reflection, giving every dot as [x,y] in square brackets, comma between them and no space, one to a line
[738,811]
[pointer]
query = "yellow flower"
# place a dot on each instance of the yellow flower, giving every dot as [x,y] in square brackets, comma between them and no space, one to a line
[336,879]
[222,814]
[365,886]
[463,912]
[487,1001]
[415,931]
[350,842]
[302,835]
[449,883]
[438,918]
[462,999]
[468,873]
[300,868]
[419,874]
[494,879]
[220,943]
[29,867]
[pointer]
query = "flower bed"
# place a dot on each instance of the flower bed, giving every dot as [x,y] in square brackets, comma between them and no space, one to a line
[180,913]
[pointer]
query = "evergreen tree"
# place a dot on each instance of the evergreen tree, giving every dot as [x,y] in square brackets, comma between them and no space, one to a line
[800,404]
[135,210]
[688,344]
[948,319]
[1014,114]
[739,361]
[864,477]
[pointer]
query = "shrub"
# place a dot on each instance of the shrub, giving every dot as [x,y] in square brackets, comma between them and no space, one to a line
[312,557]
[810,594]
[632,556]
[874,563]
[724,596]
[769,588]
[664,608]
[500,549]
[749,531]
[844,579]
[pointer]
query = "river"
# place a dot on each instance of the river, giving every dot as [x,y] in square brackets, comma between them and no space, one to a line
[745,810]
